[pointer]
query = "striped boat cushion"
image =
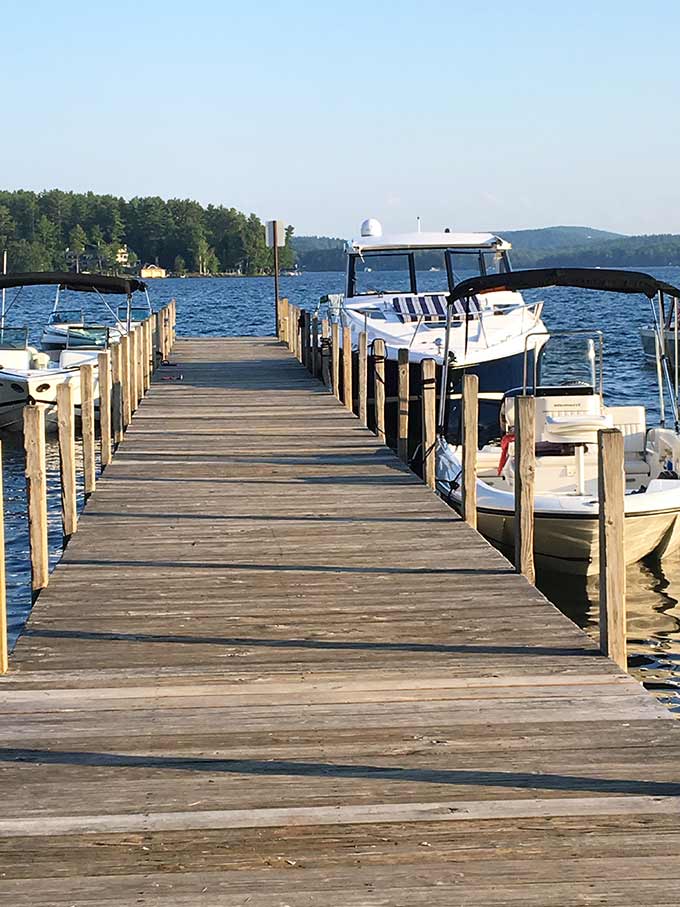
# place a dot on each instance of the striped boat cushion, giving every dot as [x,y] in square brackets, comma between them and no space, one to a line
[428,308]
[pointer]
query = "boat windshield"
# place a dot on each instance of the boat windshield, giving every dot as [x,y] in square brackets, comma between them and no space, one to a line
[66,316]
[13,338]
[420,270]
[88,336]
[137,313]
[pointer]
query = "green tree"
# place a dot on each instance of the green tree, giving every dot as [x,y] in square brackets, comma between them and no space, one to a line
[7,227]
[179,265]
[77,240]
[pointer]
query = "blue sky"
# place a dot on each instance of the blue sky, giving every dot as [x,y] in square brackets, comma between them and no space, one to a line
[470,115]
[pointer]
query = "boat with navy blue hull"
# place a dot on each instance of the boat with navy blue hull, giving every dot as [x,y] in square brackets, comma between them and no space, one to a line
[397,290]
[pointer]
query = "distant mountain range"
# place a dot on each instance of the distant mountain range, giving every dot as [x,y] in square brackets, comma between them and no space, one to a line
[547,247]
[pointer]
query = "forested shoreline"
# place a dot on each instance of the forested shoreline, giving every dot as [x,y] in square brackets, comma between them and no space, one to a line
[54,230]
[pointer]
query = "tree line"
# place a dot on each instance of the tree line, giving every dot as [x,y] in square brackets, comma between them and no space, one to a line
[53,230]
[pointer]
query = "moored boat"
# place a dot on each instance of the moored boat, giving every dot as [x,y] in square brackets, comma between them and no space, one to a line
[568,419]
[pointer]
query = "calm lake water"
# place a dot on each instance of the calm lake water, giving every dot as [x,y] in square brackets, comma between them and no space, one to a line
[245,307]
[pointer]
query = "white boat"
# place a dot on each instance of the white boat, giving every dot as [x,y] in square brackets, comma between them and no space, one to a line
[69,325]
[568,418]
[394,292]
[30,376]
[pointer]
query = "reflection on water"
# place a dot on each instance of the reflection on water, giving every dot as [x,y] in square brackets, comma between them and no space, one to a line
[652,597]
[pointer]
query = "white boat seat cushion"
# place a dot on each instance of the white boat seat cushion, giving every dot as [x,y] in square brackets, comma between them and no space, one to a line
[632,423]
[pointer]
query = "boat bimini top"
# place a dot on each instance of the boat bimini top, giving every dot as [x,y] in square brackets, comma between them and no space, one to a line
[612,280]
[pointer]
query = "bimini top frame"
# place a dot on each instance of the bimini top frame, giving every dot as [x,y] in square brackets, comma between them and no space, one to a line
[610,280]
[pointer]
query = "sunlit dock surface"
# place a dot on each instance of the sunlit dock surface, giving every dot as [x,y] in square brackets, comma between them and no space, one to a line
[273,668]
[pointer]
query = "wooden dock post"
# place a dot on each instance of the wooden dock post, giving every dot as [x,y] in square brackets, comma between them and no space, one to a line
[325,353]
[157,338]
[4,645]
[125,379]
[335,352]
[315,345]
[36,484]
[134,371]
[379,387]
[139,363]
[525,470]
[470,437]
[429,419]
[306,339]
[611,493]
[145,357]
[87,423]
[283,320]
[404,400]
[362,377]
[104,381]
[67,458]
[347,368]
[116,392]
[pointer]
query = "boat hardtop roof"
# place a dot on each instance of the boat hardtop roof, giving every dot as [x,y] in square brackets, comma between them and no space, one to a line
[86,283]
[413,241]
[612,280]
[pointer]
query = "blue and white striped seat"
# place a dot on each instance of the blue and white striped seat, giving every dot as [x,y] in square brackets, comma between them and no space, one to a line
[429,308]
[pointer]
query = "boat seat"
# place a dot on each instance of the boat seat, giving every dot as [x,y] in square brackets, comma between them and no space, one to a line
[631,421]
[416,308]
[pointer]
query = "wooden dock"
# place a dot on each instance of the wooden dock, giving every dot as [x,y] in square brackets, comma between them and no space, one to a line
[273,668]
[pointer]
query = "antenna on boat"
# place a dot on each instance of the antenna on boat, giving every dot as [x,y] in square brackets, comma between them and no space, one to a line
[418,224]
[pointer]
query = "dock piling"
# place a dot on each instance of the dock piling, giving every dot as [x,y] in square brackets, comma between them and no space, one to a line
[429,419]
[36,484]
[470,433]
[404,391]
[362,378]
[347,368]
[525,471]
[67,458]
[335,351]
[379,387]
[611,493]
[104,380]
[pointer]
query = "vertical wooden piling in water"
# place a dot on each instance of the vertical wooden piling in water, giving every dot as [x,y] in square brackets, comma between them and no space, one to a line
[134,371]
[87,423]
[429,419]
[67,458]
[306,339]
[525,471]
[4,646]
[125,379]
[404,399]
[379,387]
[283,320]
[335,352]
[36,484]
[611,494]
[315,346]
[146,373]
[470,437]
[104,380]
[362,377]
[325,353]
[139,363]
[116,392]
[158,338]
[347,367]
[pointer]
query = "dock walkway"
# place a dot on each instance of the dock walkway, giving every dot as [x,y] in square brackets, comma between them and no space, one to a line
[274,669]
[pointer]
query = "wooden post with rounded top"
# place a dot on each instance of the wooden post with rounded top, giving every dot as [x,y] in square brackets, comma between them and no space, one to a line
[470,436]
[404,401]
[116,392]
[125,379]
[429,419]
[67,458]
[36,485]
[362,377]
[316,357]
[525,471]
[104,381]
[325,352]
[87,423]
[379,387]
[611,493]
[347,368]
[335,353]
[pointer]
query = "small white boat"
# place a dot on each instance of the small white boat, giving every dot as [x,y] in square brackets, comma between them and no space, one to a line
[389,295]
[68,326]
[30,376]
[568,418]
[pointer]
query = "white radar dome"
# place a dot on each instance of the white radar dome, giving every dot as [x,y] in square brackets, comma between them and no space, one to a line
[371,227]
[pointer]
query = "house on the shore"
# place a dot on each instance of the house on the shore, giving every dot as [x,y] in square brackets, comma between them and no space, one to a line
[148,271]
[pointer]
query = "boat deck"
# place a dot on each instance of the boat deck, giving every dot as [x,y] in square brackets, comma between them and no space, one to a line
[272,668]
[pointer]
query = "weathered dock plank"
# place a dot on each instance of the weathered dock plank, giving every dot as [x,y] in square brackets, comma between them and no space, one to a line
[273,668]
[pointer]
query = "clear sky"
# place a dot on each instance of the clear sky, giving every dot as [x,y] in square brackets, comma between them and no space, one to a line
[470,115]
